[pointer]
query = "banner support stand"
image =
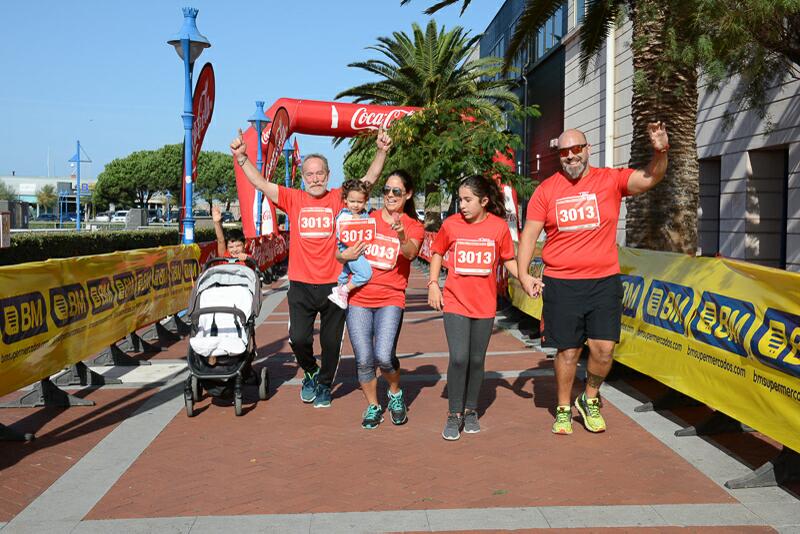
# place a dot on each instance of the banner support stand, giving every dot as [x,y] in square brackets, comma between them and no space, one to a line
[80,375]
[113,355]
[670,399]
[135,343]
[45,393]
[785,467]
[717,423]
[9,434]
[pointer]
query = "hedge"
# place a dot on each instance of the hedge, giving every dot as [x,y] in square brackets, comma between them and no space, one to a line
[39,246]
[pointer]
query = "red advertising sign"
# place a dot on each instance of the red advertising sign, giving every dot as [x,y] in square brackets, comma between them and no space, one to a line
[203,109]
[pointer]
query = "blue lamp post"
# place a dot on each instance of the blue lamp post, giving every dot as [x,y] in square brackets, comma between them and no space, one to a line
[189,44]
[76,159]
[259,120]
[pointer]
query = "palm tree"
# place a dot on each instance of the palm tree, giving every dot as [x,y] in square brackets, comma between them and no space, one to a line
[432,66]
[429,67]
[46,196]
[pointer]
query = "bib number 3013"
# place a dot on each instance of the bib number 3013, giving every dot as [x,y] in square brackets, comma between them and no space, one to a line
[577,213]
[315,223]
[382,253]
[352,231]
[473,257]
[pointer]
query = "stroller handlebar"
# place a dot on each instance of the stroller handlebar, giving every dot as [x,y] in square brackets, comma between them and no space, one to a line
[250,262]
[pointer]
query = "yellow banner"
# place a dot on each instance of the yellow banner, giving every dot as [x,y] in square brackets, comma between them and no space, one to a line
[724,332]
[58,312]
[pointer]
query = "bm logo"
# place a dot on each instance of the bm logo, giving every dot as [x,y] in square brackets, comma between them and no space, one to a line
[68,304]
[777,341]
[723,322]
[632,290]
[667,305]
[23,316]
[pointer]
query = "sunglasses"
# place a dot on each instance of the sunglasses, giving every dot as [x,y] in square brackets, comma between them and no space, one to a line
[396,191]
[575,150]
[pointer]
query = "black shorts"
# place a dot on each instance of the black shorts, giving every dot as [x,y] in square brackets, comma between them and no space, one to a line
[577,310]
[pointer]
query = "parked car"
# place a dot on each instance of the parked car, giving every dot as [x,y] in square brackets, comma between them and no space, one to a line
[46,217]
[104,216]
[201,213]
[119,216]
[227,217]
[70,216]
[421,215]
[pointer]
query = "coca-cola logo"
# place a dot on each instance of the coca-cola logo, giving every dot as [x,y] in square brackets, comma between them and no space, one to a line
[203,109]
[363,119]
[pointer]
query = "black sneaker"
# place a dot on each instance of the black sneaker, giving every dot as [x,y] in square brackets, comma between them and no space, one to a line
[452,428]
[397,408]
[373,416]
[471,425]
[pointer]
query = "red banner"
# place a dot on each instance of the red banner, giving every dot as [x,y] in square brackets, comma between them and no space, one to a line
[203,109]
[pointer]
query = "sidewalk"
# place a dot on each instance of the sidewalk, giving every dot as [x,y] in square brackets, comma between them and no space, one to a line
[136,463]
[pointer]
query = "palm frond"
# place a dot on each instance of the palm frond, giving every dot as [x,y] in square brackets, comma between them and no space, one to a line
[600,15]
[534,16]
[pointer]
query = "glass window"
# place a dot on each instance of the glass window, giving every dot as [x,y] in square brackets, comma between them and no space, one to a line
[580,6]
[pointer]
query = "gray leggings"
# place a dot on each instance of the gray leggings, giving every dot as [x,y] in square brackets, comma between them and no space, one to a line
[467,340]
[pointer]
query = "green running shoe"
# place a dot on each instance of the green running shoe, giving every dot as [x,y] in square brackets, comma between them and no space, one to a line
[563,422]
[590,411]
[308,391]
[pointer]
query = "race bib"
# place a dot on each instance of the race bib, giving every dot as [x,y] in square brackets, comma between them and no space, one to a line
[473,257]
[352,231]
[382,253]
[315,223]
[577,213]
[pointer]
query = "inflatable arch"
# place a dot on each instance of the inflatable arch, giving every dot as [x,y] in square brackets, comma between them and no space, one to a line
[314,117]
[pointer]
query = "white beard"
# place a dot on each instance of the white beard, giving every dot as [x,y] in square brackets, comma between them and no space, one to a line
[574,172]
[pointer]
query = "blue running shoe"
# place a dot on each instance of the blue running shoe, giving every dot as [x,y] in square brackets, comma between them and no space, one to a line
[323,398]
[308,392]
[373,416]
[397,408]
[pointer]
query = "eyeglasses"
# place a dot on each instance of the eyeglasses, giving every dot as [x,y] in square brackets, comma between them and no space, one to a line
[574,149]
[396,191]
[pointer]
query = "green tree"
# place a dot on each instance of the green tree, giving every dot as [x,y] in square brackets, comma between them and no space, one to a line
[216,179]
[46,196]
[428,68]
[673,41]
[279,174]
[438,147]
[7,192]
[134,179]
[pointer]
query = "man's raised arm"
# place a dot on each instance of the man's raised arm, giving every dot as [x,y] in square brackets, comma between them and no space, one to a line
[384,143]
[239,151]
[645,179]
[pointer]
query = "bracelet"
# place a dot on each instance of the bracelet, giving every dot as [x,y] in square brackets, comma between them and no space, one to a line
[241,161]
[431,282]
[663,150]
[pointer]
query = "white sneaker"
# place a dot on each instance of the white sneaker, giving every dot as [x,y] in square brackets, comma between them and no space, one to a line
[339,296]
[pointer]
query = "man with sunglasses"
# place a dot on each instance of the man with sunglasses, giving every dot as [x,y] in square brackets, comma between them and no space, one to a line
[578,208]
[313,268]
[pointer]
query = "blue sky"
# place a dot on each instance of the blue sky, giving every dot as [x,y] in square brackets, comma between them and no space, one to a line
[101,71]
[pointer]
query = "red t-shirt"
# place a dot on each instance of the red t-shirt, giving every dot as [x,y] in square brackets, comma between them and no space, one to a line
[580,220]
[390,269]
[476,249]
[312,234]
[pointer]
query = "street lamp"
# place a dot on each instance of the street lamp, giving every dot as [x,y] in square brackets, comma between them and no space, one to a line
[189,44]
[288,150]
[259,120]
[76,160]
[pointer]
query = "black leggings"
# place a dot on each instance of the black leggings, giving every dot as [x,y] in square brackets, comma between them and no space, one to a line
[467,340]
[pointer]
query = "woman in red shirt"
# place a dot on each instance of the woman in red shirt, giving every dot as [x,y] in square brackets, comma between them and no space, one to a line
[375,310]
[477,240]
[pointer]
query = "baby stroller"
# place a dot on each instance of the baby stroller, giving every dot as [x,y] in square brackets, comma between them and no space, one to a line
[223,308]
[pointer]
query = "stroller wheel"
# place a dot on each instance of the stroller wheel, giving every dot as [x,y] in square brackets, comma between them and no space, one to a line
[237,403]
[263,384]
[197,389]
[189,405]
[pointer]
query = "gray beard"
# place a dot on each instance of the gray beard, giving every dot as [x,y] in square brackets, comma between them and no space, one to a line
[574,172]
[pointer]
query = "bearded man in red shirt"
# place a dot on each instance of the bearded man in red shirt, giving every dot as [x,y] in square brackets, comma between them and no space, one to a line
[578,208]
